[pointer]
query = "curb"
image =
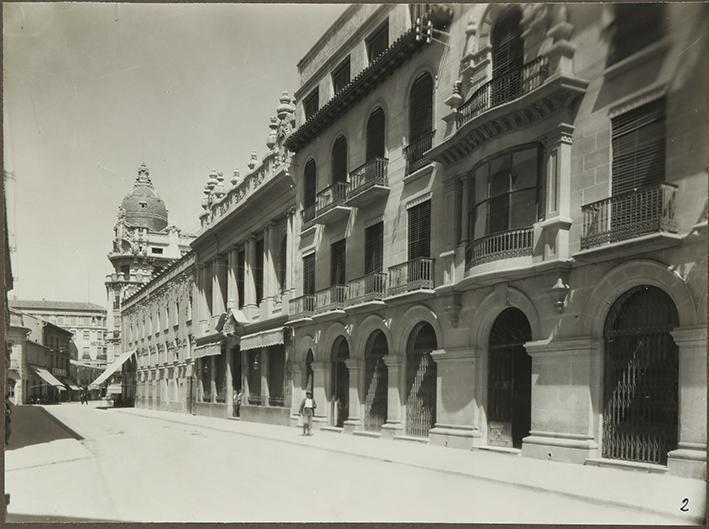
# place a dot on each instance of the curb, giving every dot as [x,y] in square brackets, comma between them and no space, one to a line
[524,486]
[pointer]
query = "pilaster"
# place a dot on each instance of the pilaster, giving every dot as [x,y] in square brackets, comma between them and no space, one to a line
[321,377]
[354,421]
[393,425]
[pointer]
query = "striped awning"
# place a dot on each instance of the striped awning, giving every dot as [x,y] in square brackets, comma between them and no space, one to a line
[261,339]
[49,378]
[115,366]
[208,349]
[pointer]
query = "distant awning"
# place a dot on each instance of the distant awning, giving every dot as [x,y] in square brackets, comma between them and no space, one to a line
[113,389]
[49,378]
[115,366]
[71,384]
[261,339]
[208,349]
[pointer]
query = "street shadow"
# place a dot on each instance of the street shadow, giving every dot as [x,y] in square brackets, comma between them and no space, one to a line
[24,518]
[33,425]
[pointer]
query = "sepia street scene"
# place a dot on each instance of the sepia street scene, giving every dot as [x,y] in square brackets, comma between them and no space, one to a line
[355,262]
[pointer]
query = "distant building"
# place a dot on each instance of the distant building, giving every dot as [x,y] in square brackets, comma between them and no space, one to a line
[86,322]
[143,246]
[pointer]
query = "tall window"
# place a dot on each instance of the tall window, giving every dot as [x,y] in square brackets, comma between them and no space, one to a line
[420,230]
[341,75]
[282,257]
[339,160]
[310,183]
[374,248]
[376,134]
[505,192]
[635,26]
[507,56]
[311,104]
[309,274]
[639,147]
[337,263]
[378,42]
[421,107]
[258,271]
[240,274]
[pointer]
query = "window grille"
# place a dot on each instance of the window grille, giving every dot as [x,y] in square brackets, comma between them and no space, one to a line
[309,275]
[339,160]
[420,231]
[374,248]
[338,263]
[376,134]
[421,107]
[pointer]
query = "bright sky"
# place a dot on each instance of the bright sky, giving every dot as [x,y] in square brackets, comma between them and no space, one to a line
[93,90]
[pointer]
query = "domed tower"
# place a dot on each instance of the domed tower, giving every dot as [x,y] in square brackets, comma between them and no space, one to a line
[143,245]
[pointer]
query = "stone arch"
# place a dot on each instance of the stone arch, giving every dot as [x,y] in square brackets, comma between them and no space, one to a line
[631,274]
[303,345]
[327,341]
[410,319]
[364,330]
[487,22]
[491,307]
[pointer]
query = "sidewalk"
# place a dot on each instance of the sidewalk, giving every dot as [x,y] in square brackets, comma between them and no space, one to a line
[661,494]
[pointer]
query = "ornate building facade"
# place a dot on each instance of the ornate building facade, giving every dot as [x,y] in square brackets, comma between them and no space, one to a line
[501,239]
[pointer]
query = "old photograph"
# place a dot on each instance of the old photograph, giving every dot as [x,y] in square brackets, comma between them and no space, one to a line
[420,263]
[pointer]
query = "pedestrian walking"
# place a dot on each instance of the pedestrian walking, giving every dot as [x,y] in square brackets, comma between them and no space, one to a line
[237,403]
[307,410]
[8,418]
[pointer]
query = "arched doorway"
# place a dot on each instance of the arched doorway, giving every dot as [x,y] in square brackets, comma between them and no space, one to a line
[309,371]
[421,381]
[640,377]
[340,381]
[376,382]
[509,398]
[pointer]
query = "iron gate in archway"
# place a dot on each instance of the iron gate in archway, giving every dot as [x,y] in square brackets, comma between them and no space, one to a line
[376,383]
[421,382]
[640,377]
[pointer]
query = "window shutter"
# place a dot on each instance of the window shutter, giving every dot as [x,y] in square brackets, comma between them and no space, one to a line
[420,231]
[507,44]
[374,248]
[310,184]
[339,160]
[309,275]
[375,134]
[337,263]
[258,271]
[638,148]
[421,107]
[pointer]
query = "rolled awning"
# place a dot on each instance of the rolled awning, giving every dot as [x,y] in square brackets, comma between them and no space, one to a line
[261,339]
[112,368]
[208,349]
[49,378]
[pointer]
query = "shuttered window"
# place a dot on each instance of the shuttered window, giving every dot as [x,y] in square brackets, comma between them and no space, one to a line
[420,230]
[421,107]
[374,248]
[258,271]
[282,257]
[639,147]
[341,75]
[378,42]
[309,274]
[635,26]
[240,273]
[507,43]
[337,263]
[375,134]
[339,160]
[311,104]
[310,178]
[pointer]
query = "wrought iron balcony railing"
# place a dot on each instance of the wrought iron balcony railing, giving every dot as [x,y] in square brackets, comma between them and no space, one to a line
[414,151]
[330,197]
[500,245]
[331,298]
[301,307]
[373,172]
[629,215]
[504,88]
[411,275]
[366,288]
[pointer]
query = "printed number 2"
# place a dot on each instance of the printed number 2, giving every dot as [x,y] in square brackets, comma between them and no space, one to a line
[685,503]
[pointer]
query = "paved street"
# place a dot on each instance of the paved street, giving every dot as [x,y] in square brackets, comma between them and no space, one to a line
[146,466]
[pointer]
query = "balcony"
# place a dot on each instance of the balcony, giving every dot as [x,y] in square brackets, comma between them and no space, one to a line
[330,204]
[644,217]
[415,150]
[371,287]
[503,89]
[308,216]
[301,307]
[501,245]
[330,299]
[416,274]
[368,182]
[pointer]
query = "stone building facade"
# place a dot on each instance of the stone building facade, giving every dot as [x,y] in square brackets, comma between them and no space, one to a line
[502,240]
[157,324]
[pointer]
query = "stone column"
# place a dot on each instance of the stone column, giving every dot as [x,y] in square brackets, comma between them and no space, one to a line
[250,305]
[457,420]
[354,420]
[393,425]
[290,251]
[213,377]
[202,306]
[689,459]
[245,390]
[464,206]
[218,285]
[296,391]
[232,274]
[321,379]
[268,278]
[229,390]
[265,368]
